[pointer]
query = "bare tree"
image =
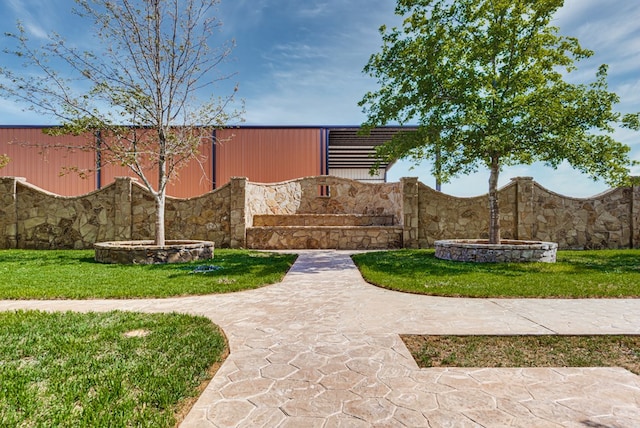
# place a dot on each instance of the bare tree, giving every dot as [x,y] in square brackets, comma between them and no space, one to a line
[142,90]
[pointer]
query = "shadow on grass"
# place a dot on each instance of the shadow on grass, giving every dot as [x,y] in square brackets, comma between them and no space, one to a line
[401,262]
[231,264]
[47,256]
[602,260]
[576,274]
[44,274]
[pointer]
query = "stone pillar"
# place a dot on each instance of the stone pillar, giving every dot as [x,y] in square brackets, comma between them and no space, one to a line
[9,211]
[635,213]
[410,213]
[525,216]
[123,209]
[237,215]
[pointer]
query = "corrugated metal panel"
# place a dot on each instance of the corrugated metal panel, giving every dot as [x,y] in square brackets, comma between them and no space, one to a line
[358,174]
[194,179]
[263,154]
[268,155]
[43,167]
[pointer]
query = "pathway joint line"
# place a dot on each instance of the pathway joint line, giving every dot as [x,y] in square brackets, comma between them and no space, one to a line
[524,317]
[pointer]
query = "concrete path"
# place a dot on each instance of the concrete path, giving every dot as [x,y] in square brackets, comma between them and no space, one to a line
[321,349]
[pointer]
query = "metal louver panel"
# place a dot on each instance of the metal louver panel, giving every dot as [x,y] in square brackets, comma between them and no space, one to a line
[349,150]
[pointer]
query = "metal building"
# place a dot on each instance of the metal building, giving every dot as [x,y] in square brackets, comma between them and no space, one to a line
[260,153]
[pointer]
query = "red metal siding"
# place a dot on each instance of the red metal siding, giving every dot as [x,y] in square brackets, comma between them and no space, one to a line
[267,155]
[43,167]
[262,154]
[26,147]
[194,179]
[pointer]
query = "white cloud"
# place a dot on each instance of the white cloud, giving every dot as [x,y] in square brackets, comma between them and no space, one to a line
[35,16]
[238,15]
[610,29]
[314,10]
[295,51]
[35,30]
[307,69]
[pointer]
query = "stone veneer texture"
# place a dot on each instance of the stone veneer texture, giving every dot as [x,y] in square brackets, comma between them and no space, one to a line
[124,210]
[508,251]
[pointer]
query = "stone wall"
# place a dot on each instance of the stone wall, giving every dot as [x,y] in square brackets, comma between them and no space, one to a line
[48,221]
[442,216]
[124,210]
[604,221]
[324,195]
[272,199]
[9,211]
[528,211]
[207,217]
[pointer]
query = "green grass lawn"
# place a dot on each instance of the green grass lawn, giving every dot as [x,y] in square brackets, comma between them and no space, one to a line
[113,369]
[73,274]
[526,351]
[576,274]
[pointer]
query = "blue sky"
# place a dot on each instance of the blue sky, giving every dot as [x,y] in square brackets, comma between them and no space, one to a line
[300,63]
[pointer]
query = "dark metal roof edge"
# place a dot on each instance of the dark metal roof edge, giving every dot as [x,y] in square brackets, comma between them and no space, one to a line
[329,127]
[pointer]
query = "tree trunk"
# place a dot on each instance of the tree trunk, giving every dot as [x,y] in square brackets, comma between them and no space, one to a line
[160,206]
[494,209]
[161,195]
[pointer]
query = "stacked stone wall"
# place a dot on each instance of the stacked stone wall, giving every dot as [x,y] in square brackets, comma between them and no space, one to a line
[528,211]
[442,216]
[31,218]
[603,221]
[48,221]
[143,212]
[323,237]
[205,218]
[324,195]
[125,211]
[9,211]
[272,199]
[479,251]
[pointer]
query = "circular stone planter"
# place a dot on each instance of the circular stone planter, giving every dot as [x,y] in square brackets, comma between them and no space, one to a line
[480,251]
[145,252]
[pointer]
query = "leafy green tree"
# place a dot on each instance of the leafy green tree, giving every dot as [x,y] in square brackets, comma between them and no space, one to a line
[4,160]
[141,89]
[485,82]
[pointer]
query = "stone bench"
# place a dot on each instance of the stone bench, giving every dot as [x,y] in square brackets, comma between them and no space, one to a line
[324,237]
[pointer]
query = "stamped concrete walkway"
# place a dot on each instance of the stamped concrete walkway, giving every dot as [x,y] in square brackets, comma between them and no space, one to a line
[321,349]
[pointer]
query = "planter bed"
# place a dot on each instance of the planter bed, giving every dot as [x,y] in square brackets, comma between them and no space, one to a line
[145,252]
[480,251]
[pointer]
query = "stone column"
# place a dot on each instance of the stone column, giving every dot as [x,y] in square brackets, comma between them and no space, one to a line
[9,211]
[635,213]
[525,216]
[237,215]
[410,213]
[123,209]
